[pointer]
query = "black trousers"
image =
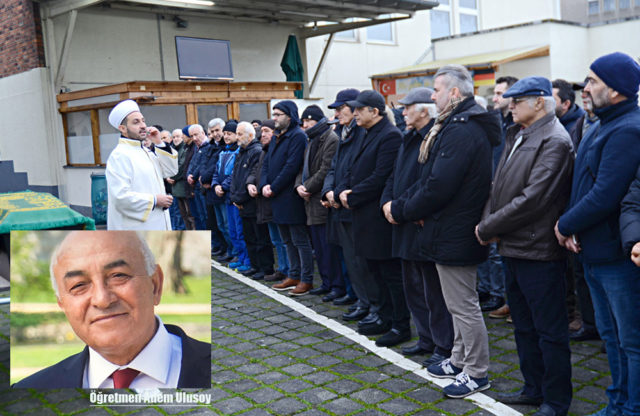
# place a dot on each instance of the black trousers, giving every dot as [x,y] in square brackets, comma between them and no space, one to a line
[258,241]
[216,236]
[429,311]
[393,306]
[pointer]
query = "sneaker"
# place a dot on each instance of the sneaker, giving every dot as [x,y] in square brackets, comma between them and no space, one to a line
[444,369]
[287,284]
[465,385]
[243,269]
[235,265]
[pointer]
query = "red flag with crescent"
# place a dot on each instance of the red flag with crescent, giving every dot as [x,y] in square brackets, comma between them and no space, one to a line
[388,87]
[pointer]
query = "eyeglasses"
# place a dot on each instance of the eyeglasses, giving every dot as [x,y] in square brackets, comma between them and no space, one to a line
[515,101]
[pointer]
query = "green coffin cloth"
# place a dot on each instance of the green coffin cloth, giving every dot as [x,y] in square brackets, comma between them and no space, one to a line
[38,211]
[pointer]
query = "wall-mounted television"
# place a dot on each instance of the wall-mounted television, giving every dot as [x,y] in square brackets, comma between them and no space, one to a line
[200,58]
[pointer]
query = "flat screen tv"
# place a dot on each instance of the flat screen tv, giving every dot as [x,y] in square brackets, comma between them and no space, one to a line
[200,58]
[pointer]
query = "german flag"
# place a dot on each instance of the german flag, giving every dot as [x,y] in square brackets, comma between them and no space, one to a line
[484,77]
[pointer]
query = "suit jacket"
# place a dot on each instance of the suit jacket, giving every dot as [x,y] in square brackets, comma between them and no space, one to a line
[195,371]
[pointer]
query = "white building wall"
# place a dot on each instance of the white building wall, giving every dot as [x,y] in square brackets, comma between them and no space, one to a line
[621,37]
[501,13]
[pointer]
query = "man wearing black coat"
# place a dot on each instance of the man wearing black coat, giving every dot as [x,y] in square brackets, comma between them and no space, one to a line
[340,218]
[420,278]
[365,181]
[256,235]
[279,170]
[448,200]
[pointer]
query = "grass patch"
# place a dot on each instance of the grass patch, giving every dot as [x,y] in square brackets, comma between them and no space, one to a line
[186,319]
[23,320]
[42,355]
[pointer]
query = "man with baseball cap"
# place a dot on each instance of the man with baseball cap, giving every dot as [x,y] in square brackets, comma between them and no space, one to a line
[420,278]
[606,163]
[136,193]
[530,190]
[371,167]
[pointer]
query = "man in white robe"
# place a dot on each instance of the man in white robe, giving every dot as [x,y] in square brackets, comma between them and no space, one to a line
[136,193]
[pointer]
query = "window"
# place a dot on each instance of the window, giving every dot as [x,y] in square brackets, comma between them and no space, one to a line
[469,4]
[253,111]
[79,138]
[609,5]
[206,113]
[468,23]
[624,4]
[347,34]
[440,25]
[108,136]
[594,7]
[381,33]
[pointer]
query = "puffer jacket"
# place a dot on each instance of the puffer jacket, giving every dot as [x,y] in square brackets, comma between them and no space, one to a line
[530,191]
[224,169]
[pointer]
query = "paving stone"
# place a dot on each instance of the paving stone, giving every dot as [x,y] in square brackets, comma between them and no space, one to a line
[240,386]
[317,395]
[298,370]
[342,406]
[370,395]
[278,361]
[303,353]
[59,395]
[398,406]
[425,395]
[583,375]
[287,406]
[312,412]
[264,395]
[327,347]
[323,361]
[371,361]
[346,368]
[581,407]
[320,377]
[344,386]
[398,385]
[252,369]
[22,406]
[232,405]
[224,376]
[372,377]
[456,406]
[271,377]
[73,406]
[232,360]
[428,412]
[293,386]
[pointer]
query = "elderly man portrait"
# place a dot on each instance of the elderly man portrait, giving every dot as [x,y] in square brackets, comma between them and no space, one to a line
[529,192]
[135,175]
[108,285]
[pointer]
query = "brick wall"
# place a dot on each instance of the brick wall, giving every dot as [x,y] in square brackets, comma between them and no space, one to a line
[21,45]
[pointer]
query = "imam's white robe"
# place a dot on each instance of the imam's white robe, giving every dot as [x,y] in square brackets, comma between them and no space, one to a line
[134,176]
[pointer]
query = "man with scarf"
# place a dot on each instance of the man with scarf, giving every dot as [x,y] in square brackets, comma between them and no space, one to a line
[448,200]
[364,184]
[279,170]
[136,193]
[317,161]
[419,276]
[606,164]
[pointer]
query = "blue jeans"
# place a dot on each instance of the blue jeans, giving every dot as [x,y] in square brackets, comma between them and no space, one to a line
[221,219]
[296,239]
[615,290]
[177,223]
[281,250]
[537,293]
[237,237]
[199,208]
[491,273]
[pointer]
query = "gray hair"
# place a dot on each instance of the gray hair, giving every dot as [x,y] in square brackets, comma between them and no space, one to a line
[457,76]
[216,122]
[149,260]
[428,107]
[248,128]
[549,103]
[176,130]
[196,128]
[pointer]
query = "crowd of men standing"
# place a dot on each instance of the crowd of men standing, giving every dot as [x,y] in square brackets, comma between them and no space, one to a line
[512,211]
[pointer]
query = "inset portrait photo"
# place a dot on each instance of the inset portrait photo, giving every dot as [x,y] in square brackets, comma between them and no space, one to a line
[110,309]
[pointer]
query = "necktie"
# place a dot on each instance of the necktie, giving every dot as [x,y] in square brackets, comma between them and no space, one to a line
[123,378]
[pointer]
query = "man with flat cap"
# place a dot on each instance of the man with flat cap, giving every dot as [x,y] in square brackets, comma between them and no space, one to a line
[419,275]
[136,195]
[529,192]
[606,164]
[108,284]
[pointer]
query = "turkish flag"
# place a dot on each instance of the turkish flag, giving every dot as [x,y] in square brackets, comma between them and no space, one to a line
[388,87]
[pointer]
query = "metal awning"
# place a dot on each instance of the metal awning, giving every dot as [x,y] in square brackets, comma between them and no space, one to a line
[315,17]
[480,61]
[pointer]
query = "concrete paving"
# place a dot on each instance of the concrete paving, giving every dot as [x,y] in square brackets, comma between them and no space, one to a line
[299,358]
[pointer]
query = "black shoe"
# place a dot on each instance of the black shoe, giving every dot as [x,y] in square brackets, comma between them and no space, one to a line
[318,291]
[584,334]
[603,348]
[434,359]
[393,337]
[483,296]
[356,314]
[225,258]
[545,410]
[333,295]
[249,272]
[345,300]
[518,397]
[415,350]
[354,306]
[377,328]
[258,276]
[371,318]
[494,302]
[217,252]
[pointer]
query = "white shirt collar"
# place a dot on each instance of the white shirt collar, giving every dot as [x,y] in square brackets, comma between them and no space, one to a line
[162,344]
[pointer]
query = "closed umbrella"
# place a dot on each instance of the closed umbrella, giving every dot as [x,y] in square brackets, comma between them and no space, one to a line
[291,63]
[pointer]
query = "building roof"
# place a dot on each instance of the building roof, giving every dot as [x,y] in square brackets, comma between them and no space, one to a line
[478,61]
[319,13]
